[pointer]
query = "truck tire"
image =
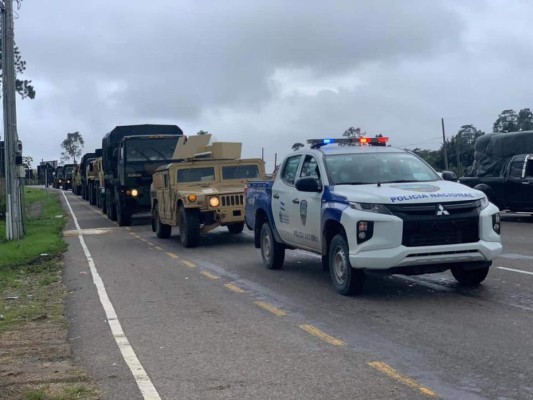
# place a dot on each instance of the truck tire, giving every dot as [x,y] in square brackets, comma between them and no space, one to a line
[189,227]
[161,230]
[101,201]
[92,194]
[346,280]
[110,206]
[469,277]
[123,214]
[272,252]
[236,228]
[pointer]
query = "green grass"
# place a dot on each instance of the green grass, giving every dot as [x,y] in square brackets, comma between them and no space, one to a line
[43,232]
[69,393]
[24,272]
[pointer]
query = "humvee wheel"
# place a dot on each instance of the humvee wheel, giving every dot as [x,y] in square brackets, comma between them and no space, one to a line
[161,230]
[346,280]
[236,228]
[272,252]
[189,227]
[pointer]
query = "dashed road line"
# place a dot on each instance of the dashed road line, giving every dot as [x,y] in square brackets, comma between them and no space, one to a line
[322,335]
[188,264]
[234,288]
[391,372]
[159,248]
[172,255]
[269,307]
[209,275]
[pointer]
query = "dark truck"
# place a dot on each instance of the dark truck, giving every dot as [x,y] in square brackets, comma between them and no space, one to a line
[68,175]
[130,155]
[503,170]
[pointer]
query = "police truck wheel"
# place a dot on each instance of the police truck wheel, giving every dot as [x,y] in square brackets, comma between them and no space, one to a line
[471,277]
[236,228]
[272,252]
[346,280]
[189,227]
[123,214]
[161,230]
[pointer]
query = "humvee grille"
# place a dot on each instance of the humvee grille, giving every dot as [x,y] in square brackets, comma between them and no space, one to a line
[232,200]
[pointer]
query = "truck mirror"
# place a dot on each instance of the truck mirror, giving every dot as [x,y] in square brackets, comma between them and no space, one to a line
[449,176]
[308,184]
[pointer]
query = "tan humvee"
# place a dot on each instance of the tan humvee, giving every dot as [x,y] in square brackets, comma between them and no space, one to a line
[203,191]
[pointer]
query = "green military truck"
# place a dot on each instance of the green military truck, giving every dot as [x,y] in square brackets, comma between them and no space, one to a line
[202,191]
[84,164]
[58,177]
[130,155]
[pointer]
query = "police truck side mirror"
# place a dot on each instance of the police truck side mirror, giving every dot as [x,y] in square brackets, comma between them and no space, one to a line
[449,176]
[308,184]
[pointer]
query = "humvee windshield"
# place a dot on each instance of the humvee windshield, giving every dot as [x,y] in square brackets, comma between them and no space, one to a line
[150,150]
[240,172]
[204,174]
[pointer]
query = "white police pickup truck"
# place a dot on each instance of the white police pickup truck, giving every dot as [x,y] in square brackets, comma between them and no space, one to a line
[365,206]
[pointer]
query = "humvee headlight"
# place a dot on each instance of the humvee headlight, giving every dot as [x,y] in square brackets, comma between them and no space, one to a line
[214,201]
[191,198]
[134,192]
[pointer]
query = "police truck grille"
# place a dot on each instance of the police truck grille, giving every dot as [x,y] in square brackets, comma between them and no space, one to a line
[438,223]
[229,200]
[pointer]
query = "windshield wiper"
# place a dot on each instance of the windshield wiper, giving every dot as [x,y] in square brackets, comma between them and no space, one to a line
[400,181]
[158,152]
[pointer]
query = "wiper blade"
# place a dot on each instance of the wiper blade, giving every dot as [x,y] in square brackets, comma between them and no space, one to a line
[400,181]
[158,152]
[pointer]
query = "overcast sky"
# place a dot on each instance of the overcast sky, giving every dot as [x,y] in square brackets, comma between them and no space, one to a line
[271,73]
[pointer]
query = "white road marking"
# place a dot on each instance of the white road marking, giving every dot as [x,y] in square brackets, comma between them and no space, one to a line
[516,270]
[144,383]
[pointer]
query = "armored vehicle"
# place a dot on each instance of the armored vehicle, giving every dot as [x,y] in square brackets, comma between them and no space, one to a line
[68,175]
[130,155]
[202,191]
[58,177]
[84,163]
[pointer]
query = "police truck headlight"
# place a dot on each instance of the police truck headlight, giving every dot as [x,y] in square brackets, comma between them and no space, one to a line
[484,202]
[370,207]
[134,192]
[214,201]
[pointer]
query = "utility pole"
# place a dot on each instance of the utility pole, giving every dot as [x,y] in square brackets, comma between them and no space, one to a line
[444,145]
[14,221]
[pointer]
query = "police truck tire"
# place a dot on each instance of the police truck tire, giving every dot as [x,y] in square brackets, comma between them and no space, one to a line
[272,252]
[189,227]
[161,230]
[236,228]
[346,280]
[470,277]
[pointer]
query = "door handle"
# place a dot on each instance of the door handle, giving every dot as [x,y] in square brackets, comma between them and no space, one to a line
[275,195]
[296,201]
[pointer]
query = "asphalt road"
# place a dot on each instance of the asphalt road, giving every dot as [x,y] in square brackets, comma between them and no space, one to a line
[213,323]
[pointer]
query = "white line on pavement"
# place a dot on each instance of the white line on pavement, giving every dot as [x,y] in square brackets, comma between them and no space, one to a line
[144,383]
[516,270]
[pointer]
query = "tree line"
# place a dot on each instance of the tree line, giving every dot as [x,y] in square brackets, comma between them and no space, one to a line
[460,148]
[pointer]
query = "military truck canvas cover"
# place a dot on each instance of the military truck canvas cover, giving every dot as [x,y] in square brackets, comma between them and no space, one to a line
[493,151]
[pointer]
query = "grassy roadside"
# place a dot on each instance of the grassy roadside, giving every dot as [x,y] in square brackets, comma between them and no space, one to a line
[35,360]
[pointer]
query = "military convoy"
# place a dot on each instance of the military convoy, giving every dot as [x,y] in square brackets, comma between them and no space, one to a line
[202,189]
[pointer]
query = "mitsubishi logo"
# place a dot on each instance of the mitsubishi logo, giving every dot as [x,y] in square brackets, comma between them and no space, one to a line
[441,210]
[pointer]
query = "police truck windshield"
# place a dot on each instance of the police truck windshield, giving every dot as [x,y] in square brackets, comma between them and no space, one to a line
[360,169]
[150,150]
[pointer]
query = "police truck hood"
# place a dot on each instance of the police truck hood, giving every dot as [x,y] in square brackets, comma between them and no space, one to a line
[407,193]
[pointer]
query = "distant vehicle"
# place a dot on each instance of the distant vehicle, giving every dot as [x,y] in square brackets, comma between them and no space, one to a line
[203,192]
[85,160]
[503,170]
[58,177]
[130,155]
[364,206]
[68,175]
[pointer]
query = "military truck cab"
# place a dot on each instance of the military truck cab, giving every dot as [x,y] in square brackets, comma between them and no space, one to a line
[202,192]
